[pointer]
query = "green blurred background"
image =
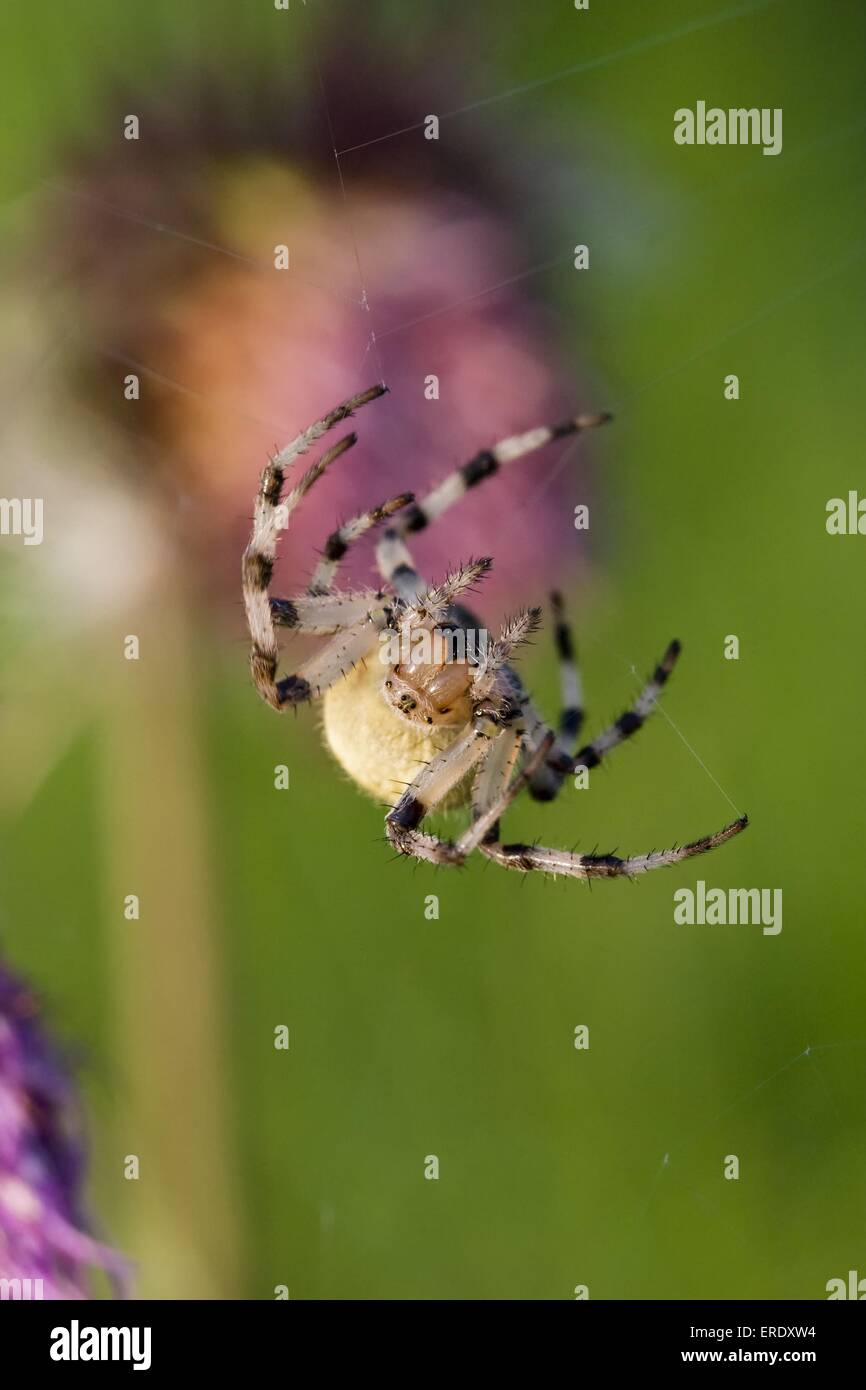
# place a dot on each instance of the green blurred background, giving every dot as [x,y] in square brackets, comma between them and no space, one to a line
[454,1037]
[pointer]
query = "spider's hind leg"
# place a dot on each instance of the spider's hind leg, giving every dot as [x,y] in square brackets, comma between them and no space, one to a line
[270,518]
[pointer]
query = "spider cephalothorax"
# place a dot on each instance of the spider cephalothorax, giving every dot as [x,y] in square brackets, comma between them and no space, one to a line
[425,693]
[430,680]
[411,680]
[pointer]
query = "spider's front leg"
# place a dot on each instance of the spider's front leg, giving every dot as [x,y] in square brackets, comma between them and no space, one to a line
[431,786]
[270,518]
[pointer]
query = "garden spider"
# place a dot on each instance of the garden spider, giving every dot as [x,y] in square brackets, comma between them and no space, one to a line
[463,717]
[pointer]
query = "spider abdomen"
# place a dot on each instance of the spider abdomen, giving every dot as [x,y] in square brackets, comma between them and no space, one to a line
[379,749]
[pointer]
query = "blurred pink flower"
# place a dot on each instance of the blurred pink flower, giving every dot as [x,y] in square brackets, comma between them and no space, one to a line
[172,255]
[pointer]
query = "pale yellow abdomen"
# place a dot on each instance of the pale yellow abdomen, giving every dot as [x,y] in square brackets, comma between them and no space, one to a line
[379,750]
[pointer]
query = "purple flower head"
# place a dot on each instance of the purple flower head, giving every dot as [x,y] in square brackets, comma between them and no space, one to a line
[42,1231]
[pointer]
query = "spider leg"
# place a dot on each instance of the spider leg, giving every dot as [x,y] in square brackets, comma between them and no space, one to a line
[490,672]
[484,465]
[340,540]
[539,730]
[320,615]
[548,779]
[438,603]
[302,442]
[546,752]
[571,715]
[560,861]
[397,567]
[270,517]
[335,659]
[492,794]
[433,782]
[632,719]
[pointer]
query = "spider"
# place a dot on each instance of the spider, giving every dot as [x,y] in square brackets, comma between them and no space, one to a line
[440,695]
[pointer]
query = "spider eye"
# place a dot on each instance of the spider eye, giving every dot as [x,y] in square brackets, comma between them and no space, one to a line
[388,685]
[429,719]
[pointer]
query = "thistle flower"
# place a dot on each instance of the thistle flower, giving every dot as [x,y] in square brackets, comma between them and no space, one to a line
[43,1236]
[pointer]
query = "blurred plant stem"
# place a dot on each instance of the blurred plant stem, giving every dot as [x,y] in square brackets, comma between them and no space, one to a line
[181,1214]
